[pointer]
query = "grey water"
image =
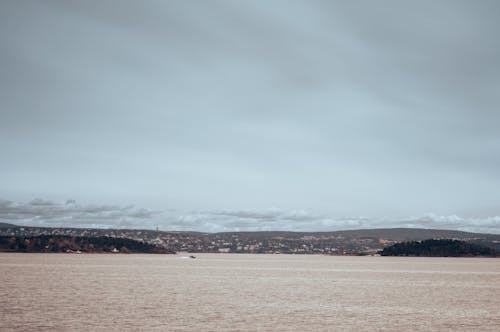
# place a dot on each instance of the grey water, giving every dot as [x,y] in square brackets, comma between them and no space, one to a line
[232,292]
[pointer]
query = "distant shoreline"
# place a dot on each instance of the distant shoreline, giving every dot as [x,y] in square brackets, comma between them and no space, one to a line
[336,243]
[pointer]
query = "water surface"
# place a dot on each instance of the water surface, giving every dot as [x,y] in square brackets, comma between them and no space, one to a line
[231,292]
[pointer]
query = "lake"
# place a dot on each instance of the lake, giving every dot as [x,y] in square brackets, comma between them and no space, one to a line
[243,292]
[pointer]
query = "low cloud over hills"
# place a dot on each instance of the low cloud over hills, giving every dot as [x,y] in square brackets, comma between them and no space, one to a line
[40,212]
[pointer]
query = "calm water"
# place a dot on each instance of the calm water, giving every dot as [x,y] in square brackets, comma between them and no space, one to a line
[60,292]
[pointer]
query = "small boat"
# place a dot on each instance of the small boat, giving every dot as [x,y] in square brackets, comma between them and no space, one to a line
[193,257]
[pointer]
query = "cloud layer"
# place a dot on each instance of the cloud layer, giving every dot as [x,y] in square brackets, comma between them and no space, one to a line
[43,213]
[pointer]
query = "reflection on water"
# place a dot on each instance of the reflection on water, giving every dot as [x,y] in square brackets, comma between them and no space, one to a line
[219,292]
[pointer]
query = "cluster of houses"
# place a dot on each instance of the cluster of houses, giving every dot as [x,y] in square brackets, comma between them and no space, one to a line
[256,242]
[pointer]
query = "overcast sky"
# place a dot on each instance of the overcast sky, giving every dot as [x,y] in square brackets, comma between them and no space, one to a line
[219,115]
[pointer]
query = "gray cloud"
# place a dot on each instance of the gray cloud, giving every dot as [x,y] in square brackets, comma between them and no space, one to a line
[49,214]
[39,212]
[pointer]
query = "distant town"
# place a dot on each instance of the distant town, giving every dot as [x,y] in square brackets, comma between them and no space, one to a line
[354,242]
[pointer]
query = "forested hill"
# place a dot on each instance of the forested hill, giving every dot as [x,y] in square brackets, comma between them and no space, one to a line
[68,244]
[439,248]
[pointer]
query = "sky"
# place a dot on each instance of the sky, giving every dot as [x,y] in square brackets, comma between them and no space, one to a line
[250,115]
